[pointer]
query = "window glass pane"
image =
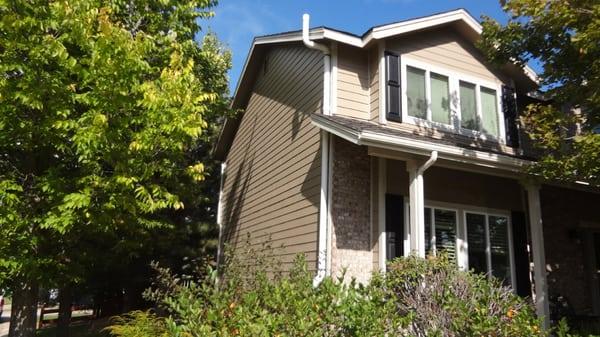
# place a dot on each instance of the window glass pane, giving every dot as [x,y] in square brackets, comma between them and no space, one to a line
[415,83]
[499,248]
[468,106]
[477,242]
[428,231]
[440,99]
[489,111]
[445,232]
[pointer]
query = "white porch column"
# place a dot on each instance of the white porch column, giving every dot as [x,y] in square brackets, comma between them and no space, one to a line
[416,212]
[381,191]
[539,257]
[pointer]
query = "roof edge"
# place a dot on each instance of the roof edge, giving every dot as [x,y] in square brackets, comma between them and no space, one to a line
[420,147]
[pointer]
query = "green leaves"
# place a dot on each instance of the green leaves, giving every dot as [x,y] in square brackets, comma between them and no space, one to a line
[107,111]
[563,37]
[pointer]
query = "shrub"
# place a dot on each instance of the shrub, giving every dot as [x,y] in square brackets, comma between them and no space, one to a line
[416,297]
[275,304]
[443,301]
[138,324]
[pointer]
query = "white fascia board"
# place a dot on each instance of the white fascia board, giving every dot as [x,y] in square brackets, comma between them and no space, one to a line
[237,86]
[315,34]
[447,152]
[421,147]
[422,23]
[343,38]
[348,134]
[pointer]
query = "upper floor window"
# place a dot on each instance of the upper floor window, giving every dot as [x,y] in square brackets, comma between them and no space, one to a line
[436,97]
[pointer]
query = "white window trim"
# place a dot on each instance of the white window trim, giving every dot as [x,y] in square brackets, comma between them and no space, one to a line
[488,253]
[455,117]
[462,245]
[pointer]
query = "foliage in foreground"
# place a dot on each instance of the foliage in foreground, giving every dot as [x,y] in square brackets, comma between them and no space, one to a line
[416,297]
[563,37]
[108,112]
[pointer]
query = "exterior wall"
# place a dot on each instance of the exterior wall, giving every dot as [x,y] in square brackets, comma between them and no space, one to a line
[352,82]
[375,211]
[350,212]
[272,180]
[568,218]
[459,187]
[446,49]
[374,83]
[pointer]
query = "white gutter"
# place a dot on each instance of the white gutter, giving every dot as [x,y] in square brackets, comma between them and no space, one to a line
[323,252]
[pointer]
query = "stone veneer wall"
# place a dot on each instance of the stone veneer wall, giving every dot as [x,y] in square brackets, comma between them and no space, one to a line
[566,215]
[350,207]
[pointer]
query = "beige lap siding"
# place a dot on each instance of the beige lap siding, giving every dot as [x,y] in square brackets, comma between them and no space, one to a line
[272,183]
[351,239]
[445,48]
[374,84]
[459,187]
[352,82]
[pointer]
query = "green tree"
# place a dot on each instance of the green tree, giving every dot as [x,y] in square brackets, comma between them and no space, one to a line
[103,107]
[564,37]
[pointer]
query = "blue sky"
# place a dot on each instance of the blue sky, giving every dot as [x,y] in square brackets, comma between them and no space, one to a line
[236,22]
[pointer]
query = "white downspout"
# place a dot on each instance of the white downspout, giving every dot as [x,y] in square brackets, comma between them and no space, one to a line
[220,217]
[323,253]
[326,63]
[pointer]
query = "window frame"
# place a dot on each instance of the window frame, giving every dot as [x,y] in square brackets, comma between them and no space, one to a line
[454,79]
[488,246]
[462,245]
[433,238]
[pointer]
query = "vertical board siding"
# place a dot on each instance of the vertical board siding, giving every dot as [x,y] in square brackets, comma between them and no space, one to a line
[272,181]
[353,82]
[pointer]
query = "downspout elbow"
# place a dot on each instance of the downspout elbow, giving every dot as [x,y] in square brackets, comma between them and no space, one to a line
[432,159]
[306,38]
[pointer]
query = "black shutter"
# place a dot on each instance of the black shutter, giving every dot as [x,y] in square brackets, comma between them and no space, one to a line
[392,85]
[394,225]
[519,228]
[509,107]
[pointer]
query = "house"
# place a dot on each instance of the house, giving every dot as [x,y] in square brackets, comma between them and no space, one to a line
[357,149]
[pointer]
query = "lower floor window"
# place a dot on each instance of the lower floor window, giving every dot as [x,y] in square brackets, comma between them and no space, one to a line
[486,238]
[442,223]
[488,245]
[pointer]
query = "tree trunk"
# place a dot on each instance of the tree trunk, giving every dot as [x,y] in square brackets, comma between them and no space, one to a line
[23,312]
[65,300]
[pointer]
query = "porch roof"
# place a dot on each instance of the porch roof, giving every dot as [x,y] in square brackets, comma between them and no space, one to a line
[422,141]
